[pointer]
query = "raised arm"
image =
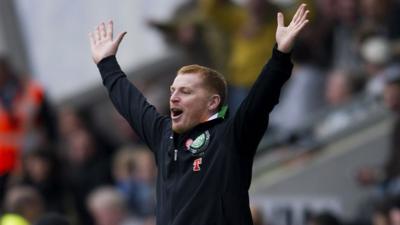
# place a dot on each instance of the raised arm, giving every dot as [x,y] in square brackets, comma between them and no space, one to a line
[102,43]
[127,99]
[251,119]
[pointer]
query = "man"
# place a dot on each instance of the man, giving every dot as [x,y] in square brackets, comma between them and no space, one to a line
[204,160]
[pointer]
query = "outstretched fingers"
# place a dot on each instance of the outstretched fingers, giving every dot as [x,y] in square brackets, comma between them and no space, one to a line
[101,32]
[97,35]
[302,21]
[109,30]
[102,29]
[300,26]
[280,19]
[102,43]
[303,18]
[285,36]
[104,32]
[298,13]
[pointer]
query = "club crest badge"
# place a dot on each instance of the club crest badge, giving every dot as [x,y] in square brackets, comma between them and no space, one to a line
[200,143]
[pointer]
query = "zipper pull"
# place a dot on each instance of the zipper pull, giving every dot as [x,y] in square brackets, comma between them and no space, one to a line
[175,154]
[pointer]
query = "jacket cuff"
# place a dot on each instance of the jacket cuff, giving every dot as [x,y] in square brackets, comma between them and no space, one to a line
[281,56]
[108,65]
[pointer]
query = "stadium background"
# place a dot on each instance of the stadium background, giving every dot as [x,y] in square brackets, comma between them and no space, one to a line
[330,155]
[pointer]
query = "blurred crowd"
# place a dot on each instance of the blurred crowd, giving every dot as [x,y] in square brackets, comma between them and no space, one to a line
[58,167]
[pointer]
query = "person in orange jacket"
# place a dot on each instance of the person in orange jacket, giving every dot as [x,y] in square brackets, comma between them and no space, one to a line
[23,116]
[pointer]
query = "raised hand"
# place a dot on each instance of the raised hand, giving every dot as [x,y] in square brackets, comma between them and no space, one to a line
[285,36]
[102,43]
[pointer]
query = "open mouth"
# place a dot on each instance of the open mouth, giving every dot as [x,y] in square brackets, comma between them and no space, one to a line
[176,113]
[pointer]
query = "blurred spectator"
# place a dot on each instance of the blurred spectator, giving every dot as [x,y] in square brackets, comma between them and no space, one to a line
[380,214]
[380,17]
[318,54]
[72,120]
[125,134]
[52,219]
[394,211]
[324,218]
[345,34]
[395,216]
[303,96]
[376,53]
[134,173]
[328,9]
[88,166]
[251,30]
[342,86]
[23,206]
[41,170]
[257,215]
[392,90]
[330,113]
[69,121]
[388,178]
[26,121]
[392,101]
[107,207]
[187,31]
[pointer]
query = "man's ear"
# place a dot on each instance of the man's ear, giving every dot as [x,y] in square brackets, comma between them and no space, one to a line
[214,102]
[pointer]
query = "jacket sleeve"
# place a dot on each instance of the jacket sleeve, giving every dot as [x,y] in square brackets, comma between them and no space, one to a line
[251,119]
[131,104]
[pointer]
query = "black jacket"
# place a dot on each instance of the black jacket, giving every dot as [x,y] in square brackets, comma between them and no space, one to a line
[206,183]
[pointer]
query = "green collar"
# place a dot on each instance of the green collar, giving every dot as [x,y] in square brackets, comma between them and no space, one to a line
[222,112]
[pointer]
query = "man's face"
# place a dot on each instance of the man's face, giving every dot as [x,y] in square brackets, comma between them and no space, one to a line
[189,102]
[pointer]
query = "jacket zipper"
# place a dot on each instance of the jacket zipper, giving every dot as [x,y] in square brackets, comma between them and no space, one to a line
[175,178]
[175,154]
